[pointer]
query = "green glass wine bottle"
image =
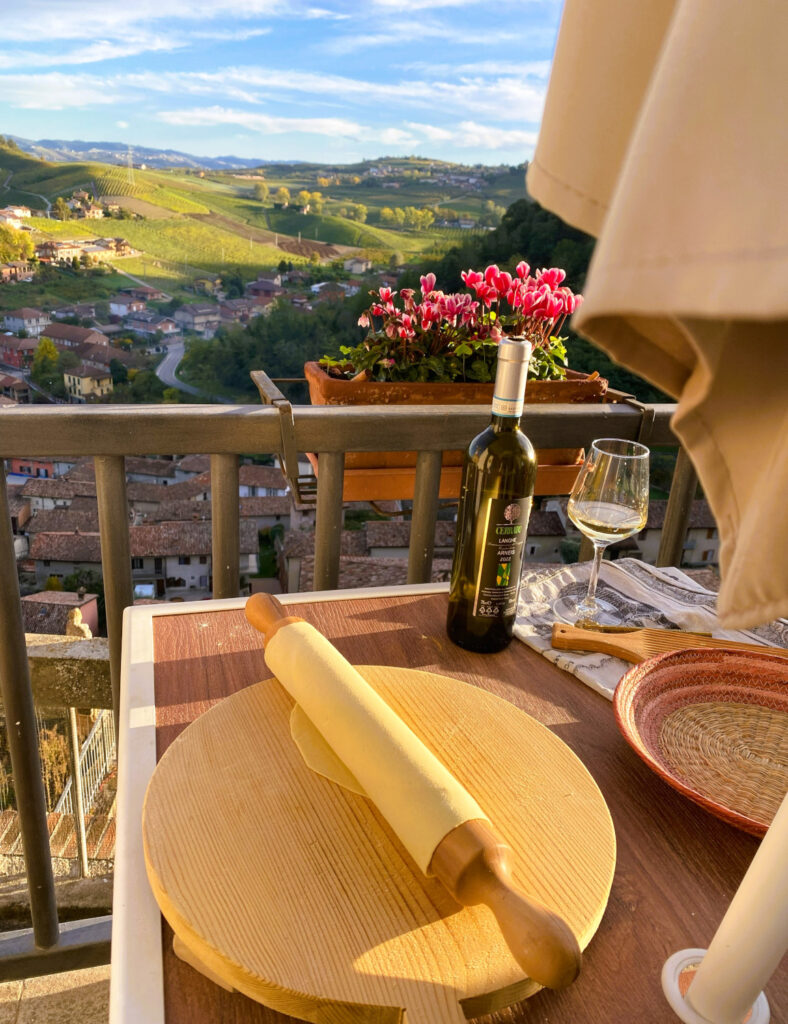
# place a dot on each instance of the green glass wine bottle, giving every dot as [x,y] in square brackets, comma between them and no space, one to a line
[492,521]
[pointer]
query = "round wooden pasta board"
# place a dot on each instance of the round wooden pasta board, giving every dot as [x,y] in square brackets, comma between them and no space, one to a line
[291,889]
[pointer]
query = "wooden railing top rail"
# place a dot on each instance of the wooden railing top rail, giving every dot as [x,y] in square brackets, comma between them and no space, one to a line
[157,429]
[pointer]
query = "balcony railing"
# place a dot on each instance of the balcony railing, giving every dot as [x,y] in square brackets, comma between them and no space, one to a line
[96,755]
[108,433]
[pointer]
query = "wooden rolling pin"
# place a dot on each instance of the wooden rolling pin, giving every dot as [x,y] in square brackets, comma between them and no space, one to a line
[637,645]
[437,820]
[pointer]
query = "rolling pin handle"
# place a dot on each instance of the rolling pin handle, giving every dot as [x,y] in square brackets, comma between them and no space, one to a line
[474,865]
[266,614]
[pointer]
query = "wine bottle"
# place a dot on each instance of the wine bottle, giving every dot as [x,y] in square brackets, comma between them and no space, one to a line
[492,521]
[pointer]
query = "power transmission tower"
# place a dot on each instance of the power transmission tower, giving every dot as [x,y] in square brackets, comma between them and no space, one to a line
[131,169]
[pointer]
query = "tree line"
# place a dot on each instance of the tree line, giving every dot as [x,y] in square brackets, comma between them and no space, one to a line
[283,341]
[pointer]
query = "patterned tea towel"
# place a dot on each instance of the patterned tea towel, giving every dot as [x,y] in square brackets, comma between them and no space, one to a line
[634,594]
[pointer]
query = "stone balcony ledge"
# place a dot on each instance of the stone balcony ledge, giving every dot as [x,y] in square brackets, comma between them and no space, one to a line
[69,671]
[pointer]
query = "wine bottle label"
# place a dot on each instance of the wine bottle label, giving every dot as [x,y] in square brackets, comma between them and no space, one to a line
[507,406]
[498,581]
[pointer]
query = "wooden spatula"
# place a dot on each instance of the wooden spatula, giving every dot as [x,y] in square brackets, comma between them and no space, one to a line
[640,644]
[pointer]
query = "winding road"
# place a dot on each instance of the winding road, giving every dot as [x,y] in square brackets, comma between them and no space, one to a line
[165,371]
[6,186]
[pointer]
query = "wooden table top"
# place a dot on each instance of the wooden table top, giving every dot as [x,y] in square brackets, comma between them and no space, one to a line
[678,867]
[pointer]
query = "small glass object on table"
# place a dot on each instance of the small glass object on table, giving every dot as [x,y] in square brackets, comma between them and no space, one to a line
[609,502]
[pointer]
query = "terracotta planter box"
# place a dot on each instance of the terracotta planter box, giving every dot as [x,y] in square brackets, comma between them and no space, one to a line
[390,475]
[325,390]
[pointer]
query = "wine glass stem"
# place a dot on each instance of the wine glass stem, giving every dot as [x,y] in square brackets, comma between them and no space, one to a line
[599,550]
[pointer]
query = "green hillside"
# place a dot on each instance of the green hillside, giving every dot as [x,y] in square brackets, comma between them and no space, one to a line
[191,222]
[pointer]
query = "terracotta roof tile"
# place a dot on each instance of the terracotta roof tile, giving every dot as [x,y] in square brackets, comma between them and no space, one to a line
[362,572]
[25,313]
[63,520]
[301,543]
[153,539]
[69,332]
[66,547]
[47,612]
[45,487]
[395,533]
[83,370]
[262,476]
[195,463]
[700,518]
[272,505]
[545,524]
[153,467]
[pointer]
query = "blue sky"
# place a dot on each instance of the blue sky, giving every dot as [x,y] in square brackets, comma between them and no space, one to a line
[323,80]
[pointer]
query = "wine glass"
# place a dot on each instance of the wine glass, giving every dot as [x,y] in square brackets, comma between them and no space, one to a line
[609,502]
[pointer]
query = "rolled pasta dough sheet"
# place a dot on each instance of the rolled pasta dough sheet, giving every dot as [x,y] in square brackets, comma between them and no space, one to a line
[319,756]
[415,792]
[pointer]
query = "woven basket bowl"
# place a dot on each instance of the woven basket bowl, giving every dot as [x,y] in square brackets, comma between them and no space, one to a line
[714,725]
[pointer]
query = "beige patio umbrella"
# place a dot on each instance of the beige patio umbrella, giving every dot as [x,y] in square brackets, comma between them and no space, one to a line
[664,135]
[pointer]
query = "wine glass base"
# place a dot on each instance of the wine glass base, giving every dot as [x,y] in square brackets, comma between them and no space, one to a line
[568,610]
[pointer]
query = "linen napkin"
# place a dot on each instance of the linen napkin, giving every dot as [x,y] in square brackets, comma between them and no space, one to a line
[634,594]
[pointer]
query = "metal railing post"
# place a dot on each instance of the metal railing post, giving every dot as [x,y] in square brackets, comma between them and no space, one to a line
[20,716]
[328,520]
[586,552]
[425,514]
[74,752]
[677,513]
[113,510]
[225,526]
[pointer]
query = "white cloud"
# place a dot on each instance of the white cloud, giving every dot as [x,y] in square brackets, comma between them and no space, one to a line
[264,123]
[91,53]
[398,32]
[56,91]
[421,5]
[230,35]
[122,124]
[321,12]
[502,98]
[392,136]
[539,69]
[505,99]
[466,135]
[66,19]
[472,135]
[431,131]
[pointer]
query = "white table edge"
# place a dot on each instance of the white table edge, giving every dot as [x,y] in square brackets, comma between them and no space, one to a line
[136,975]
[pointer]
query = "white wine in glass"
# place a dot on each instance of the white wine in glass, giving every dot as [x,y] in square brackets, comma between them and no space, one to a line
[609,502]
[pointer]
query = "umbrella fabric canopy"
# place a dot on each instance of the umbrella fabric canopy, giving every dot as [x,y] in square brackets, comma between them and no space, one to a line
[664,134]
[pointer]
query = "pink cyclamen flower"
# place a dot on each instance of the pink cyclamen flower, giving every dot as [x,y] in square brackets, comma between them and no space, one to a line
[471,278]
[522,269]
[503,282]
[552,277]
[386,294]
[487,293]
[491,273]
[430,314]
[427,284]
[363,320]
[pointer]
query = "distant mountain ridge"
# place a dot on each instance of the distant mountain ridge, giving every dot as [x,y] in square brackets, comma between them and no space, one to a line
[77,150]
